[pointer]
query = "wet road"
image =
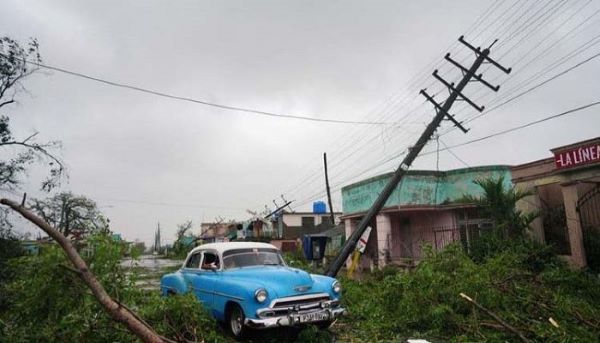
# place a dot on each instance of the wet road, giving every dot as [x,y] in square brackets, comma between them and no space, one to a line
[150,268]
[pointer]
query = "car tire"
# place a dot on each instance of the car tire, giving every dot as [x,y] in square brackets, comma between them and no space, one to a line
[235,321]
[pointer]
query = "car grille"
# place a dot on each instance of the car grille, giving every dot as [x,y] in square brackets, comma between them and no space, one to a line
[303,301]
[298,303]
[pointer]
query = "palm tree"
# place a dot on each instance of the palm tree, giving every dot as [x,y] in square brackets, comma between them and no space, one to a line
[498,203]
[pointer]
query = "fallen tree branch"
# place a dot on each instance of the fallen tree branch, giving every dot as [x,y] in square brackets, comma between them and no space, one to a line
[584,321]
[495,316]
[115,311]
[71,269]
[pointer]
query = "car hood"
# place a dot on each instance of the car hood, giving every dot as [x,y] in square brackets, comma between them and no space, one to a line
[284,281]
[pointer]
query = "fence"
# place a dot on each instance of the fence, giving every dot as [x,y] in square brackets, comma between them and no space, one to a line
[409,243]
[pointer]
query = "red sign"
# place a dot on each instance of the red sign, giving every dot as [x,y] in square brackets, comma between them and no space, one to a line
[576,157]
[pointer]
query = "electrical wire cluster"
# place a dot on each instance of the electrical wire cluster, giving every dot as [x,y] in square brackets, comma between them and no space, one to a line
[540,40]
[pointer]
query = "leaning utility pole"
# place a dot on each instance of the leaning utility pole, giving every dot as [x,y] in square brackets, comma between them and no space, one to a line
[413,152]
[328,190]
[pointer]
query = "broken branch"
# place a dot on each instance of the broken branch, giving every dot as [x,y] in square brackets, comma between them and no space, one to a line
[116,312]
[495,316]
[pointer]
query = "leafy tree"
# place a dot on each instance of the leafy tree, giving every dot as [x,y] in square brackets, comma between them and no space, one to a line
[499,204]
[138,248]
[68,213]
[16,64]
[50,303]
[10,247]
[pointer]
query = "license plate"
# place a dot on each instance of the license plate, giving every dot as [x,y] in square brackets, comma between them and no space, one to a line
[312,317]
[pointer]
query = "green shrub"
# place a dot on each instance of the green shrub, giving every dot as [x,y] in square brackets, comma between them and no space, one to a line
[180,317]
[49,303]
[524,283]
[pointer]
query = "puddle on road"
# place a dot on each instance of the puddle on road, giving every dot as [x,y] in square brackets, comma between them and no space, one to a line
[149,269]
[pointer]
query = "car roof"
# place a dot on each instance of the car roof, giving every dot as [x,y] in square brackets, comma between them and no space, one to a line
[224,246]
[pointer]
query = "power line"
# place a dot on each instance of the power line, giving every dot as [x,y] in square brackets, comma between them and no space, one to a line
[520,127]
[528,22]
[162,203]
[531,89]
[453,154]
[413,81]
[448,148]
[196,101]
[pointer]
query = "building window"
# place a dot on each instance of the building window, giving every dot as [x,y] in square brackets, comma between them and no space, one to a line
[308,222]
[471,226]
[326,221]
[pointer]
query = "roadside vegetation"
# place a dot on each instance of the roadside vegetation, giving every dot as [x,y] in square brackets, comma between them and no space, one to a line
[502,287]
[524,284]
[522,290]
[45,301]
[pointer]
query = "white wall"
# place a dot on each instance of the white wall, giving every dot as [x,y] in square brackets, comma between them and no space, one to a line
[295,219]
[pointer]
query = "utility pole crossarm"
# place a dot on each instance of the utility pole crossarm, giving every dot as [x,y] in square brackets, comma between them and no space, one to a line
[476,77]
[451,87]
[442,111]
[439,109]
[478,52]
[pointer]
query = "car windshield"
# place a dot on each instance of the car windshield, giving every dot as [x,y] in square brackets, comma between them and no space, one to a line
[239,258]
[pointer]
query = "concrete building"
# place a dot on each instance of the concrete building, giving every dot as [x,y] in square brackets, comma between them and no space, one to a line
[426,208]
[218,232]
[566,192]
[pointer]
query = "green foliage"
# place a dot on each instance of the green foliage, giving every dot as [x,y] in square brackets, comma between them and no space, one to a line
[296,259]
[525,284]
[49,303]
[183,242]
[180,317]
[10,248]
[315,335]
[498,203]
[137,249]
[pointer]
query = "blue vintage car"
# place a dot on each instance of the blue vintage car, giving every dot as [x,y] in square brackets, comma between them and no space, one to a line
[248,284]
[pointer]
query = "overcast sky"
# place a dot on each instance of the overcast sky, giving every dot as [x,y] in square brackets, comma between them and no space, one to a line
[147,159]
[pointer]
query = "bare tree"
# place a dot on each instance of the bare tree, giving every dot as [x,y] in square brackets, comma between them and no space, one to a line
[69,213]
[16,64]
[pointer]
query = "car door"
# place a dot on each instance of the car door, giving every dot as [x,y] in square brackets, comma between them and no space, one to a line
[200,276]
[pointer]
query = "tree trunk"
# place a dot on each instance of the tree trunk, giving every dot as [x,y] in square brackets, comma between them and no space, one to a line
[116,311]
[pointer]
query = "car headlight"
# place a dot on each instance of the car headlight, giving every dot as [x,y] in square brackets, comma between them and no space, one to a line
[336,287]
[261,295]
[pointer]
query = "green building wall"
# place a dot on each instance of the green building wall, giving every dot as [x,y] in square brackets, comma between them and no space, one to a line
[421,187]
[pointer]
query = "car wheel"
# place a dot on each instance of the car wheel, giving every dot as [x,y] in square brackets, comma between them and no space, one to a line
[235,321]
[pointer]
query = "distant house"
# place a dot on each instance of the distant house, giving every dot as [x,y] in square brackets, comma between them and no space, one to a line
[217,232]
[294,225]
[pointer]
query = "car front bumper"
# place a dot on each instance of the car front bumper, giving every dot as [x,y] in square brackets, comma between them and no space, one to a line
[293,319]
